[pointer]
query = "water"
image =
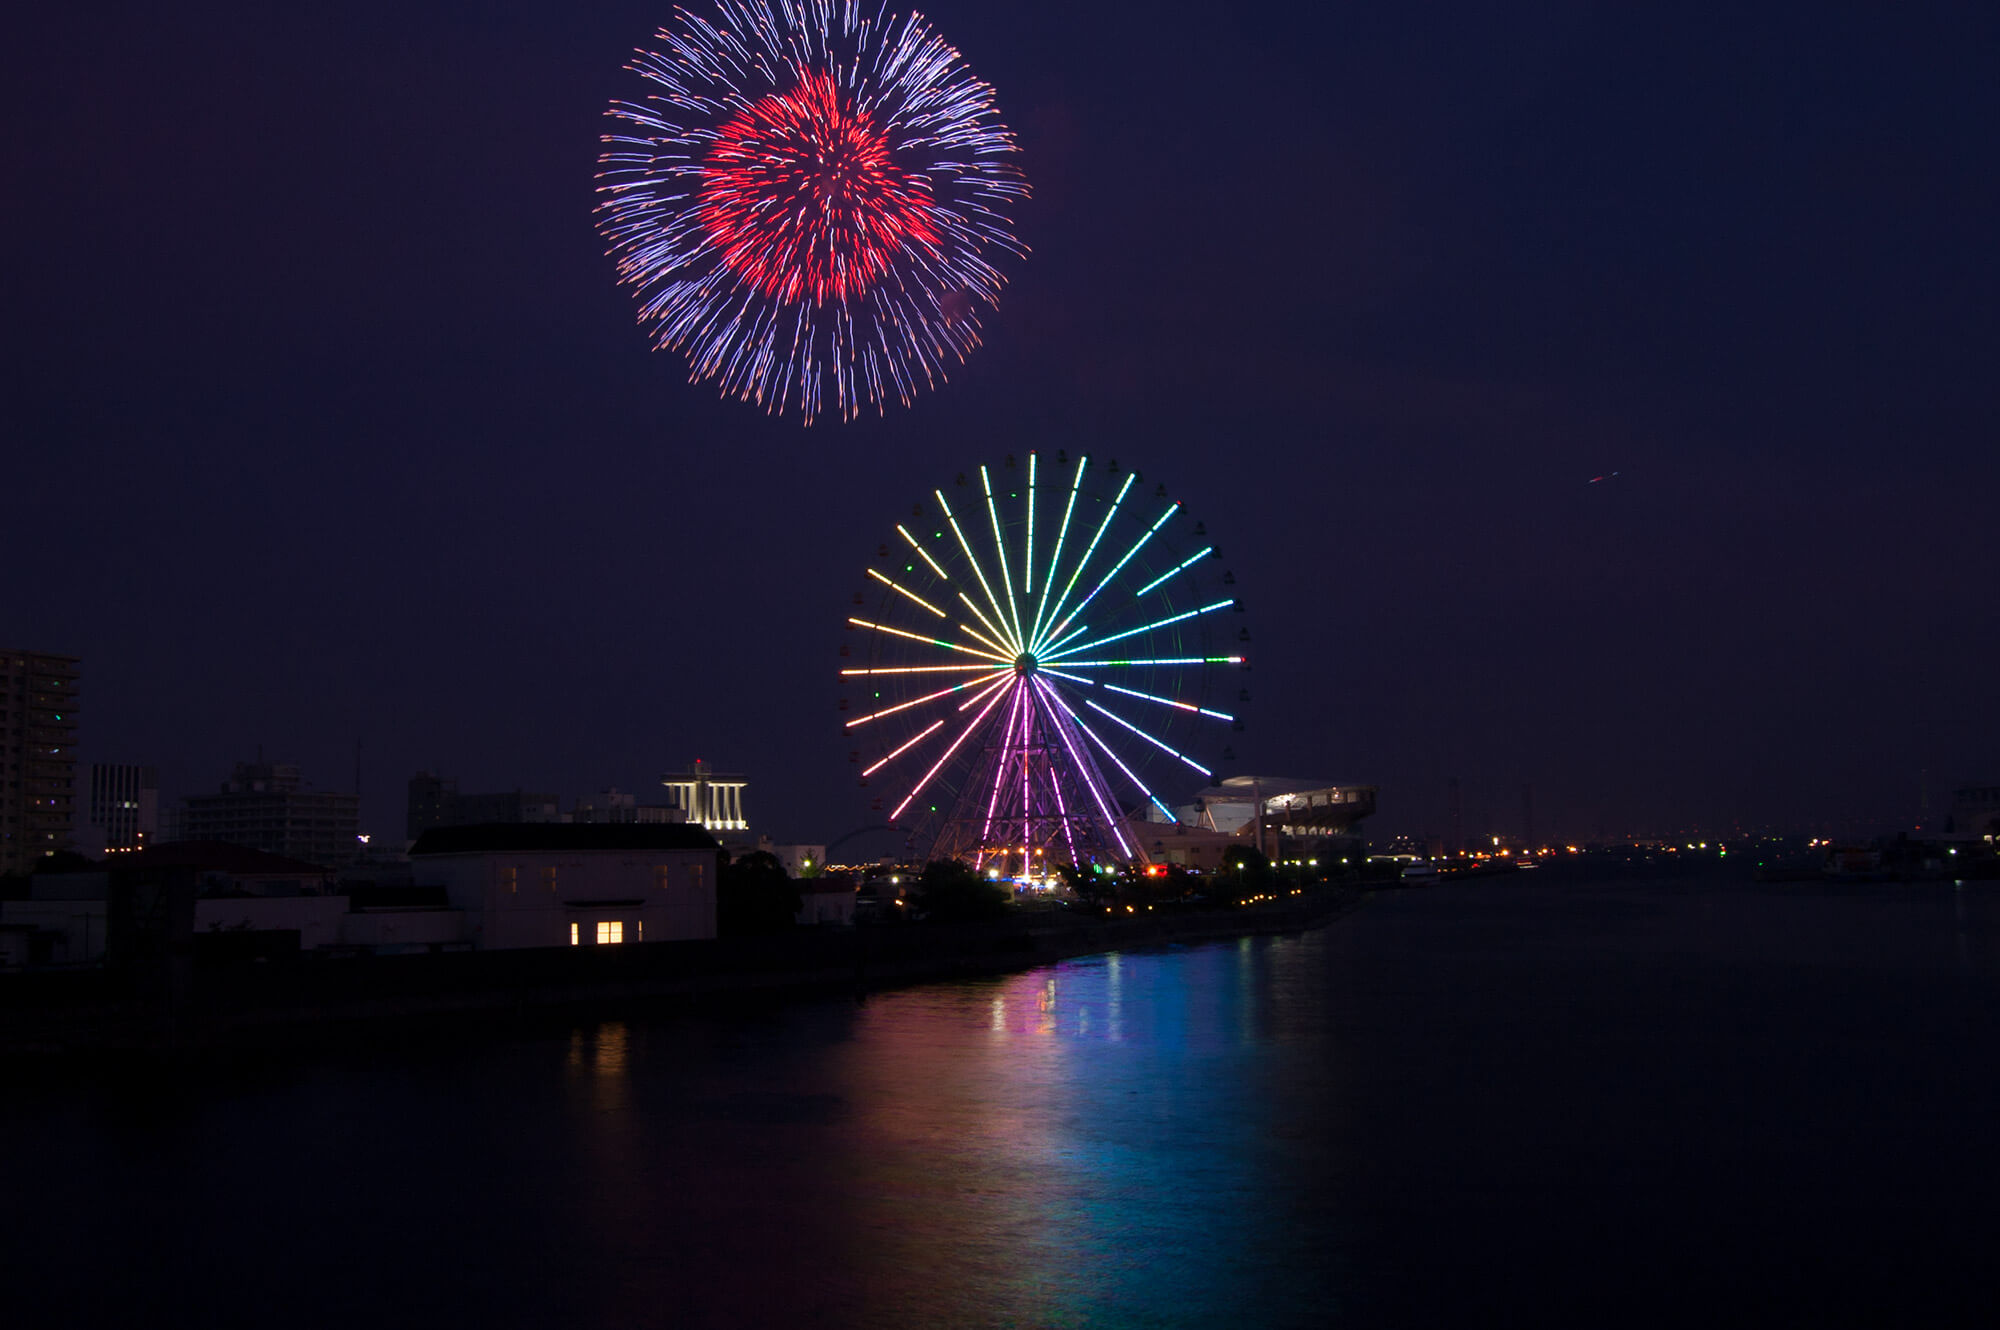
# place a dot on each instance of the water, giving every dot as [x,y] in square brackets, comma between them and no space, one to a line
[1459,1105]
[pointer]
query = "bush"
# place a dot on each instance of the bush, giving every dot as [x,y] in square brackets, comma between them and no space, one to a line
[753,895]
[951,892]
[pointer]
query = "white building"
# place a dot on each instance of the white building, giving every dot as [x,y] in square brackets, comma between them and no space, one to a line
[556,884]
[64,920]
[120,808]
[826,900]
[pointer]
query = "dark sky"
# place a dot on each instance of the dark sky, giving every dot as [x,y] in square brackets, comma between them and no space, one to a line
[325,420]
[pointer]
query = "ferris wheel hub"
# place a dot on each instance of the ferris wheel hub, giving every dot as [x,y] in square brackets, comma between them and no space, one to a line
[1024,665]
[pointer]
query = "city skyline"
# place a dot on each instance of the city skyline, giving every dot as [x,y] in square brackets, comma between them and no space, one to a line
[1598,410]
[1502,814]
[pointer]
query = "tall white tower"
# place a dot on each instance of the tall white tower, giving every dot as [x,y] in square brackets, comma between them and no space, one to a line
[713,799]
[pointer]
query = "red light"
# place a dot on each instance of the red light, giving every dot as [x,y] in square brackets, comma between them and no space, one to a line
[800,195]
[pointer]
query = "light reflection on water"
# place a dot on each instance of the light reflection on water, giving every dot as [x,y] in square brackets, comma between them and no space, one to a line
[1091,1143]
[1577,1102]
[1094,1143]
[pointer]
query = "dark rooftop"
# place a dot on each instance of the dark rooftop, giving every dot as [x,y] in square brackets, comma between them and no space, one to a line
[218,857]
[363,896]
[563,836]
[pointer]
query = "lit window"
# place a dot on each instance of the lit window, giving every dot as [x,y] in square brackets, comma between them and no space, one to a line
[549,877]
[575,935]
[507,878]
[638,930]
[660,872]
[609,931]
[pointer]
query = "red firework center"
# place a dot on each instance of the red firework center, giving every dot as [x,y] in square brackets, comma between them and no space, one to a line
[801,196]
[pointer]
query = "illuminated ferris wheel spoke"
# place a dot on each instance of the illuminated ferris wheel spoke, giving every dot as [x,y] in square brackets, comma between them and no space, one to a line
[1117,761]
[1109,752]
[1028,560]
[984,621]
[1157,623]
[922,553]
[933,641]
[1056,786]
[1052,703]
[974,633]
[927,697]
[1000,552]
[917,669]
[935,726]
[1167,660]
[963,735]
[1091,549]
[1157,743]
[906,593]
[1049,651]
[980,696]
[1138,545]
[1062,533]
[1006,751]
[1167,702]
[1183,566]
[972,560]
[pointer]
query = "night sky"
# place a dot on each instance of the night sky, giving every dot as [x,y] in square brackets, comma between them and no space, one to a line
[325,420]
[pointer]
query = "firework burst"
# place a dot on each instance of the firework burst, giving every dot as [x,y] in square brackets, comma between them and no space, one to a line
[809,202]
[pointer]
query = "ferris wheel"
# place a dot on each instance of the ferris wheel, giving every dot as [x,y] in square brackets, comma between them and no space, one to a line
[1039,652]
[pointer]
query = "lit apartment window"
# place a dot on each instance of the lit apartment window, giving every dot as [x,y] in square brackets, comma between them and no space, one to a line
[660,874]
[638,930]
[575,935]
[508,879]
[609,931]
[549,877]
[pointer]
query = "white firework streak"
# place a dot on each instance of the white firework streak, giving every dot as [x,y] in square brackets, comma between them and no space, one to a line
[894,335]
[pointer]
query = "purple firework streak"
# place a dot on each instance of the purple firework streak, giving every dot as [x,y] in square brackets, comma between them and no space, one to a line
[809,202]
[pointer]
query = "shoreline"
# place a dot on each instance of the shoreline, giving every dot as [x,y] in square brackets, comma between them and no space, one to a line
[317,1000]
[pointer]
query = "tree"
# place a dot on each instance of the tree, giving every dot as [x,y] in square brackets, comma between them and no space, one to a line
[1245,872]
[1161,884]
[951,891]
[753,895]
[1246,859]
[1090,887]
